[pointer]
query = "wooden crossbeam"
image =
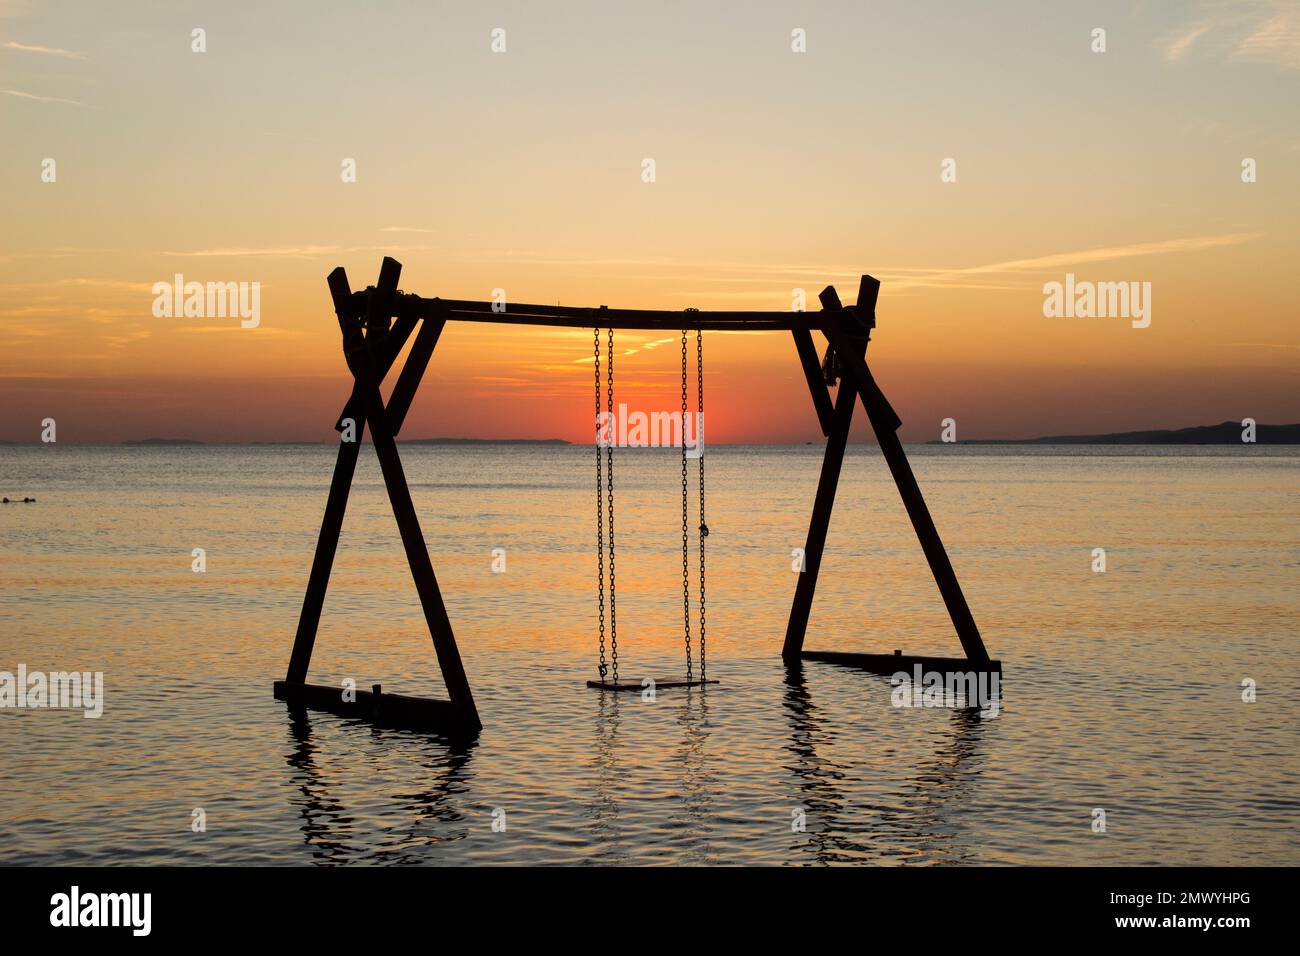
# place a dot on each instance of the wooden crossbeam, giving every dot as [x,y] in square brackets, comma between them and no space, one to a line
[585,317]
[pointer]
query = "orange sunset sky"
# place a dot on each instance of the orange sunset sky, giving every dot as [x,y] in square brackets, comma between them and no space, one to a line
[775,170]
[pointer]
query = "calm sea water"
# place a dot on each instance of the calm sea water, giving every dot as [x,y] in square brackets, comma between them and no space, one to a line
[1121,690]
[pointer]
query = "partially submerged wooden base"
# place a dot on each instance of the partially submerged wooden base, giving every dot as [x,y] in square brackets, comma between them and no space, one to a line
[388,710]
[895,662]
[658,685]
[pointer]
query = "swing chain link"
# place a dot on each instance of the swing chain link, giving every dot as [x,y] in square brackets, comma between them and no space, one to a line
[699,442]
[600,512]
[609,488]
[605,502]
[686,579]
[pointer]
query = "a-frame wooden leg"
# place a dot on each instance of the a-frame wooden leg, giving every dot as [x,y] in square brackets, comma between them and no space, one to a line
[835,422]
[370,356]
[819,524]
[417,555]
[327,543]
[885,423]
[323,563]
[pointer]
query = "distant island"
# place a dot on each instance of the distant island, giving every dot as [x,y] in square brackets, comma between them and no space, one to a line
[163,441]
[189,442]
[485,441]
[1226,433]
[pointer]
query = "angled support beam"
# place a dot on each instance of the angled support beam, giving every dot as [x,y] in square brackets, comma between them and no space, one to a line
[322,564]
[837,439]
[885,423]
[813,373]
[399,402]
[417,556]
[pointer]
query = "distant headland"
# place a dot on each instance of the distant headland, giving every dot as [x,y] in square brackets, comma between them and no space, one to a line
[486,441]
[1225,433]
[163,441]
[189,442]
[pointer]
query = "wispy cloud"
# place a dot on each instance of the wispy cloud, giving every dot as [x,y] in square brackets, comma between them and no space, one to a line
[1283,346]
[283,252]
[44,99]
[1004,276]
[404,229]
[121,284]
[1103,253]
[262,330]
[47,50]
[1276,41]
[1058,260]
[1183,42]
[1259,31]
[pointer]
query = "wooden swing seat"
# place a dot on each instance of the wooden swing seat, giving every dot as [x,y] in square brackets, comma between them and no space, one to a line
[659,685]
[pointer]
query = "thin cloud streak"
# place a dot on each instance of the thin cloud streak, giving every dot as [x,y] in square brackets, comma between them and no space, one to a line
[46,50]
[44,99]
[1183,43]
[1099,254]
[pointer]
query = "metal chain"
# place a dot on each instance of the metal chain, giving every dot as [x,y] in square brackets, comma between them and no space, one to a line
[600,512]
[699,439]
[609,490]
[686,576]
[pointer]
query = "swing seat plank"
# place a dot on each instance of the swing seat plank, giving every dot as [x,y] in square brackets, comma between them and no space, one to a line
[659,685]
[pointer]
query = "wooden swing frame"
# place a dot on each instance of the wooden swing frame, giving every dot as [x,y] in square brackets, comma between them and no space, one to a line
[376,325]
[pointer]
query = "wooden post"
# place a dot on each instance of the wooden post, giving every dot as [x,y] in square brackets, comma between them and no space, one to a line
[819,524]
[323,563]
[837,439]
[336,504]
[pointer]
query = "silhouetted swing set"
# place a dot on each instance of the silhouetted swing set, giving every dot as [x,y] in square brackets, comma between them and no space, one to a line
[377,324]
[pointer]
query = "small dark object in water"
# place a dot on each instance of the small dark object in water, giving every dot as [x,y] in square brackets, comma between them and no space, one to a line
[28,501]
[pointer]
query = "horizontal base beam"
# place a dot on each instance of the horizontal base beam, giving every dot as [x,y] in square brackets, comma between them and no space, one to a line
[388,710]
[659,685]
[893,663]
